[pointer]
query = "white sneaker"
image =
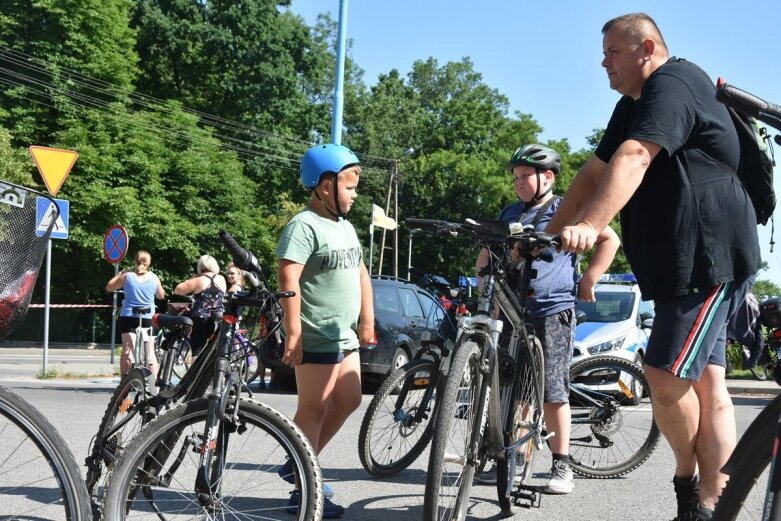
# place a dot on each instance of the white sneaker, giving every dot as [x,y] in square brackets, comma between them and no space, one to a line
[562,480]
[488,476]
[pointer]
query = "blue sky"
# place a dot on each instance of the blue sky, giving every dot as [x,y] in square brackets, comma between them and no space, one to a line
[545,56]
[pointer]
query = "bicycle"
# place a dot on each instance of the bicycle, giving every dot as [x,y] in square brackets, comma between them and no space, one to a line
[143,338]
[39,478]
[474,423]
[753,468]
[218,455]
[397,427]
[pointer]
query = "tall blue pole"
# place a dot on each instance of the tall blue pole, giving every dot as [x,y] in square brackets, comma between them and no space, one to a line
[341,49]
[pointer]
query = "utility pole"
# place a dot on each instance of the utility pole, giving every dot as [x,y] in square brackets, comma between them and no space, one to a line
[392,188]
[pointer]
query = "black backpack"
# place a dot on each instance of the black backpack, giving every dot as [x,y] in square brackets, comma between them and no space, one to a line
[755,170]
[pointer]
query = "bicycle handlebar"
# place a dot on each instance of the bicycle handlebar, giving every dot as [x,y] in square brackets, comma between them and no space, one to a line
[746,102]
[487,231]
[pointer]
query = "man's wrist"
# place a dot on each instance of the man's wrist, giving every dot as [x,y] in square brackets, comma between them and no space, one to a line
[583,221]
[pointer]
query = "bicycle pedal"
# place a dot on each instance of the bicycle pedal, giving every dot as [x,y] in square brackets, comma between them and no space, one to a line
[530,495]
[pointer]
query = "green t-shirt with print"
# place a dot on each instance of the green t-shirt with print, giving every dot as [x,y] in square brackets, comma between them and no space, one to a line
[330,282]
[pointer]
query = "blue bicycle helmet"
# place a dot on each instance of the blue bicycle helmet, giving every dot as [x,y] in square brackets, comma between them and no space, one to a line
[322,159]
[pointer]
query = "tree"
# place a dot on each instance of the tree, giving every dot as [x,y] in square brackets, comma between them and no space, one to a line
[43,43]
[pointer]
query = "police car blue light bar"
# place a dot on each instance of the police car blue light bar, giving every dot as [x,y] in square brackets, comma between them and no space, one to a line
[464,282]
[618,277]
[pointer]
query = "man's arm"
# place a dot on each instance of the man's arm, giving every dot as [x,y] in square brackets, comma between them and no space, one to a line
[623,175]
[579,194]
[366,319]
[289,276]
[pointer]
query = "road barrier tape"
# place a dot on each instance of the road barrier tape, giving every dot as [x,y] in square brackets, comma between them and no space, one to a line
[70,305]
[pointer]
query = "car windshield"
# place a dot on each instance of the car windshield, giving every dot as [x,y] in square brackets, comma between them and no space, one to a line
[611,306]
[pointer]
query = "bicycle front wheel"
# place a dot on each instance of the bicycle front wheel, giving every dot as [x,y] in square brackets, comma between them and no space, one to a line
[526,409]
[162,464]
[38,475]
[397,428]
[613,428]
[450,468]
[749,469]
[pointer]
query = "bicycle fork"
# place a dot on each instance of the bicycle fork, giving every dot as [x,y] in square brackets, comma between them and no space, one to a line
[224,396]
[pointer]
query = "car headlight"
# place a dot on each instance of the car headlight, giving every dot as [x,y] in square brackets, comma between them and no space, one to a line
[610,345]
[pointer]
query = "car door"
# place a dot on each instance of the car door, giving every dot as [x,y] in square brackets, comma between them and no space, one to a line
[413,316]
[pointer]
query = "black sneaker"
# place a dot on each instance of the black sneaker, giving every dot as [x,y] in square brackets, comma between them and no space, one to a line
[687,494]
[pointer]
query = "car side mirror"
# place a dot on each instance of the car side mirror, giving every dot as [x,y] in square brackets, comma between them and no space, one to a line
[580,317]
[648,323]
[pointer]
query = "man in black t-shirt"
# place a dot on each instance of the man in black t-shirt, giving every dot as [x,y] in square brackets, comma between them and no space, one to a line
[689,233]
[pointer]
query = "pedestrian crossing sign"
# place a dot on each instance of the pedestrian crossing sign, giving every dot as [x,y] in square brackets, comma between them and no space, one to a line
[45,212]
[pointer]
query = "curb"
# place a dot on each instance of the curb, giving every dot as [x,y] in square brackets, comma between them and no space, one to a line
[753,390]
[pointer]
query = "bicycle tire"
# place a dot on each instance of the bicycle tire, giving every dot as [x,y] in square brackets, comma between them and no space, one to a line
[618,433]
[253,471]
[60,466]
[447,497]
[388,447]
[526,394]
[129,396]
[749,468]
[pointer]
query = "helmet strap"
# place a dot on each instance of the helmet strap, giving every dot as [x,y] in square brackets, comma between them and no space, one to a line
[537,195]
[339,212]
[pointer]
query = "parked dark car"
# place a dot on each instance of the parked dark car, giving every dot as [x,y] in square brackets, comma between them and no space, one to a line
[402,312]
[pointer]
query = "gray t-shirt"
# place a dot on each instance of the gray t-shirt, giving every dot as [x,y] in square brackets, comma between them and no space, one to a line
[330,282]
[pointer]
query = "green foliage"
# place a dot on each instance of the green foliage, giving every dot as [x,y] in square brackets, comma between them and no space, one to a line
[765,289]
[15,165]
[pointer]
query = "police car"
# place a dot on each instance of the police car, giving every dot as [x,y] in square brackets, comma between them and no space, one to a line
[617,324]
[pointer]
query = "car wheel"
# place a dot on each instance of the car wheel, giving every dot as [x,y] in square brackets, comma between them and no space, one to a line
[400,358]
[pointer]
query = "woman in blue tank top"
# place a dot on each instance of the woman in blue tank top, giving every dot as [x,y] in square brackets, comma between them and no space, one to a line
[141,287]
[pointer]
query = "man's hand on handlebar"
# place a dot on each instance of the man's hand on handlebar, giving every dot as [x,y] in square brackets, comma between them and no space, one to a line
[578,238]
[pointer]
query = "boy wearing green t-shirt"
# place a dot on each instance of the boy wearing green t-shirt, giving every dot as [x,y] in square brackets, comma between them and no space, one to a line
[331,315]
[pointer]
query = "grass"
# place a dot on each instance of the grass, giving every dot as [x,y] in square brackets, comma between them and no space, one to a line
[59,373]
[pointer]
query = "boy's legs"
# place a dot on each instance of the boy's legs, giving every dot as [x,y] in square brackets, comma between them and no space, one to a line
[557,335]
[327,394]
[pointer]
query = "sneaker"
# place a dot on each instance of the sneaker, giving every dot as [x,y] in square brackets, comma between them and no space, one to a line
[330,510]
[286,472]
[687,494]
[487,477]
[562,480]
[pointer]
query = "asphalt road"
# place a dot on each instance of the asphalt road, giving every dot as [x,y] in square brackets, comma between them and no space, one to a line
[75,409]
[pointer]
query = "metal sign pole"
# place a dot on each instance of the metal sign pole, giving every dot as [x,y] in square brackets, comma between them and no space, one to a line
[46,307]
[114,316]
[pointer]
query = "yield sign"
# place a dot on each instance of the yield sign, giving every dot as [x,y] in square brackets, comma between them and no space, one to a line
[54,165]
[115,244]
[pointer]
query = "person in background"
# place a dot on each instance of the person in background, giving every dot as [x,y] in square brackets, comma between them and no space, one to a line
[141,286]
[552,306]
[332,313]
[208,289]
[666,161]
